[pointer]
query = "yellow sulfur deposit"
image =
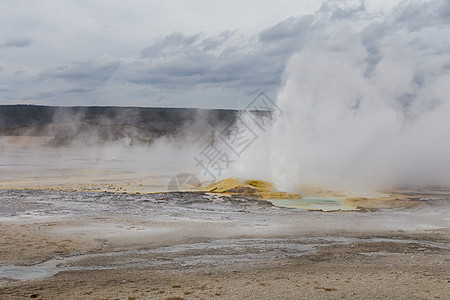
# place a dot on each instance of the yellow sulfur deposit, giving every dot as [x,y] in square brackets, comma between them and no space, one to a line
[250,188]
[223,185]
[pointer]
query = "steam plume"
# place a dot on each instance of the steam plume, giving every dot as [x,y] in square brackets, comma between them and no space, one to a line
[366,103]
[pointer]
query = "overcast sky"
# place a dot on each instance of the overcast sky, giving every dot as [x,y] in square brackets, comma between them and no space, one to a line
[190,53]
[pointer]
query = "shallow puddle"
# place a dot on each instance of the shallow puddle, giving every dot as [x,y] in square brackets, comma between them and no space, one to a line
[312,202]
[28,272]
[225,251]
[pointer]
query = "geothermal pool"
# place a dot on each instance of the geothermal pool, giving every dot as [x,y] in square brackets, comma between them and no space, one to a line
[313,202]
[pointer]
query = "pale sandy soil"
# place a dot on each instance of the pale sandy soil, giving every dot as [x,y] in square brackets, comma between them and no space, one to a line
[410,272]
[75,245]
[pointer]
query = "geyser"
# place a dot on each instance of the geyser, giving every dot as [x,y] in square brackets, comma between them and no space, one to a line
[365,104]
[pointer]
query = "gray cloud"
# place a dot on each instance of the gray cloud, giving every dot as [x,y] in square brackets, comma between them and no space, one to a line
[4,88]
[342,9]
[96,70]
[417,16]
[170,45]
[294,27]
[16,43]
[179,62]
[82,77]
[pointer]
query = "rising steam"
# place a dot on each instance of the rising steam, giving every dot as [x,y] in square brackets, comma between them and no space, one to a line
[366,103]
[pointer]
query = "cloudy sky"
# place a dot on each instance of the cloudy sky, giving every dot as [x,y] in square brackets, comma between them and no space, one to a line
[190,53]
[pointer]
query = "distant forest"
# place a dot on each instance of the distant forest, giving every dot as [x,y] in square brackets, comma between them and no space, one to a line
[109,123]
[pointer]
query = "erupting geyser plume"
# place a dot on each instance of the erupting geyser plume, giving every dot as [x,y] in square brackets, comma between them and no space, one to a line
[366,102]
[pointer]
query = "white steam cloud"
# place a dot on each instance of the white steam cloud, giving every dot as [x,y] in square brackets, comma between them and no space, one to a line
[365,102]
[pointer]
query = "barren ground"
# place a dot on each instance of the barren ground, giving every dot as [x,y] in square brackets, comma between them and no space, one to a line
[81,245]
